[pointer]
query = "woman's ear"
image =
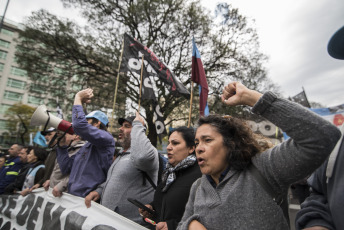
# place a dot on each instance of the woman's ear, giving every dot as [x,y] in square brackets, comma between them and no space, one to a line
[191,150]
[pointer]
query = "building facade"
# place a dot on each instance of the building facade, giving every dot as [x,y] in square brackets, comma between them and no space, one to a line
[14,82]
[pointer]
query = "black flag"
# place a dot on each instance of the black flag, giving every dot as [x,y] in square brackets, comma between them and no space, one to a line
[132,53]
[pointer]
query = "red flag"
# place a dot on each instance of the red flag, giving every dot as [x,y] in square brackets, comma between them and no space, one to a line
[198,76]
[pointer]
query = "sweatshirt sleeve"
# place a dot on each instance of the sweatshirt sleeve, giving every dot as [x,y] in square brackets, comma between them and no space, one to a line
[315,209]
[65,162]
[312,139]
[143,154]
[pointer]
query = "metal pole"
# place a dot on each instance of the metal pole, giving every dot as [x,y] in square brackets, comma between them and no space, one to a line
[3,16]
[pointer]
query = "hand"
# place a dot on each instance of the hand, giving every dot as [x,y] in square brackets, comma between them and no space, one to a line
[161,226]
[146,214]
[83,96]
[91,196]
[46,185]
[56,192]
[195,225]
[139,118]
[236,93]
[316,228]
[34,187]
[25,192]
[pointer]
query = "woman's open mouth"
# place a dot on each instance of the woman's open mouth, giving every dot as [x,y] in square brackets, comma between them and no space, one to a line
[200,161]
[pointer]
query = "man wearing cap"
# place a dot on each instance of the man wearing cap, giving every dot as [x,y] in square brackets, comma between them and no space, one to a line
[11,168]
[125,177]
[88,167]
[323,209]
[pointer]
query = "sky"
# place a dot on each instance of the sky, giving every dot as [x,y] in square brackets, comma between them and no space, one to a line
[292,33]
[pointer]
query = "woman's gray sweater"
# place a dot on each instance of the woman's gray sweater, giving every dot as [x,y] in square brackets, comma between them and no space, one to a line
[239,201]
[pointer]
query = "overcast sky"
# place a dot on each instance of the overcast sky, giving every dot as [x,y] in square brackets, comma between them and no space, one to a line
[293,34]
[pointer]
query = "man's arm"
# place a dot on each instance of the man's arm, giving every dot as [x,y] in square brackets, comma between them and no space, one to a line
[315,211]
[97,137]
[143,154]
[65,162]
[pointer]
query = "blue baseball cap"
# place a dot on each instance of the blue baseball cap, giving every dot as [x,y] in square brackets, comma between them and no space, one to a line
[336,44]
[99,115]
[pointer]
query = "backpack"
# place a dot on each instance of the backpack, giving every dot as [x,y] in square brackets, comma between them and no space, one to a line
[162,167]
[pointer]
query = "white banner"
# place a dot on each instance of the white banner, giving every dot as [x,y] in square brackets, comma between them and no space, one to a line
[41,210]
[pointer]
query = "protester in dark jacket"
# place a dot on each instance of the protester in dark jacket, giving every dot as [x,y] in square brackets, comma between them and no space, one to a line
[35,173]
[181,171]
[323,209]
[11,168]
[17,185]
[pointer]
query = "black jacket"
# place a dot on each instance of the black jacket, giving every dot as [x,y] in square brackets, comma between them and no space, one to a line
[170,205]
[19,181]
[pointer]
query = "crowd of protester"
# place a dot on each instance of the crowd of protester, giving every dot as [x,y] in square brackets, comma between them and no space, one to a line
[213,174]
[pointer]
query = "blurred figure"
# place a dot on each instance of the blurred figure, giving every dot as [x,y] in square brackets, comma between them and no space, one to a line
[17,185]
[2,161]
[11,168]
[36,159]
[182,170]
[323,209]
[228,195]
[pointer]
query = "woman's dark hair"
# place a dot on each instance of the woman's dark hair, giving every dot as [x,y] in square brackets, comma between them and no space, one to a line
[40,153]
[188,135]
[28,149]
[101,126]
[237,137]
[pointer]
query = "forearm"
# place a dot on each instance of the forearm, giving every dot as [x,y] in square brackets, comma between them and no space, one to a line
[312,140]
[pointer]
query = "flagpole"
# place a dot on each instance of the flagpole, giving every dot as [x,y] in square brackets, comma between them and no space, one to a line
[117,80]
[190,111]
[143,56]
[309,105]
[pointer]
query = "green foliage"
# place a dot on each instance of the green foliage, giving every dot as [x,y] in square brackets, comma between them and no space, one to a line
[18,121]
[89,56]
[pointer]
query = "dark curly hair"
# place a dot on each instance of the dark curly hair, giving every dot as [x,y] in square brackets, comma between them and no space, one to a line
[237,137]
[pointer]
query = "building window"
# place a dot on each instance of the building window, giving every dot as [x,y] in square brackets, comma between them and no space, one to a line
[18,72]
[35,100]
[7,32]
[16,83]
[1,67]
[3,54]
[3,124]
[3,108]
[35,88]
[13,96]
[4,44]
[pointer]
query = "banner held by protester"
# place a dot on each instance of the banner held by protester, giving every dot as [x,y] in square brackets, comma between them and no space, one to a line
[41,210]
